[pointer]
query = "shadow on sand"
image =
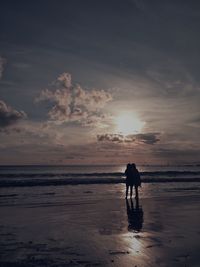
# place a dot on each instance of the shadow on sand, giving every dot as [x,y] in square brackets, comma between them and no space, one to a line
[134,215]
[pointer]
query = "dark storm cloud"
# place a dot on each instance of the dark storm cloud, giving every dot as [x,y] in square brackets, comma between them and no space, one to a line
[146,138]
[73,103]
[9,115]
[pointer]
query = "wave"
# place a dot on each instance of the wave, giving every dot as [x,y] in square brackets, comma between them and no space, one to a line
[77,181]
[98,174]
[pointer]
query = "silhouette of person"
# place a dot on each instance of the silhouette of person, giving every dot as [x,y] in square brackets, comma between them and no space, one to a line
[135,216]
[132,179]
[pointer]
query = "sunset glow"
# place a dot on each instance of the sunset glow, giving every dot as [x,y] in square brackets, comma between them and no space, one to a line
[128,123]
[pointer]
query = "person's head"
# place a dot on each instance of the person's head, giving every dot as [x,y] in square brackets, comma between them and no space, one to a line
[128,165]
[133,165]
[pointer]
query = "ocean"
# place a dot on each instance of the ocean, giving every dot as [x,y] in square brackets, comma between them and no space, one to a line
[17,176]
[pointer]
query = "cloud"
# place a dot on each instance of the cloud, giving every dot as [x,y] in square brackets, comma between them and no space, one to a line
[64,79]
[146,138]
[9,116]
[118,138]
[2,63]
[72,103]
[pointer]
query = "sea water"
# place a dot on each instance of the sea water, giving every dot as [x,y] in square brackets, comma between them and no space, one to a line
[16,176]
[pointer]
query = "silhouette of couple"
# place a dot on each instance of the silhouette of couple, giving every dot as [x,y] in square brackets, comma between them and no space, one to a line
[132,179]
[134,213]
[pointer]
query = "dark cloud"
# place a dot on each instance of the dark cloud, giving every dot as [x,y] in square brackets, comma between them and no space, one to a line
[72,103]
[9,116]
[146,138]
[118,138]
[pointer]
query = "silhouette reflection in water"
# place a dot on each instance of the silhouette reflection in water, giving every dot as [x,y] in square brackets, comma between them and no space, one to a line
[135,216]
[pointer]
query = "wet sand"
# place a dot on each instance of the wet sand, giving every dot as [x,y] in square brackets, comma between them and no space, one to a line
[93,225]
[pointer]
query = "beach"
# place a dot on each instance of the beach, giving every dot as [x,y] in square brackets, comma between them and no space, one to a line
[93,225]
[97,97]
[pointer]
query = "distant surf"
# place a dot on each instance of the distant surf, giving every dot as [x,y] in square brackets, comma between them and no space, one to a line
[89,180]
[99,174]
[16,176]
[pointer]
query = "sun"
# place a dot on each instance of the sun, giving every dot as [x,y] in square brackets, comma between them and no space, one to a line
[128,123]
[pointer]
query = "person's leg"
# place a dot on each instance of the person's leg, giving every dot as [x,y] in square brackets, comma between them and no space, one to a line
[127,190]
[136,191]
[132,207]
[131,193]
[137,203]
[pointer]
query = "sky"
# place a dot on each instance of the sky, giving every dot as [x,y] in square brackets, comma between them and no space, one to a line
[99,82]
